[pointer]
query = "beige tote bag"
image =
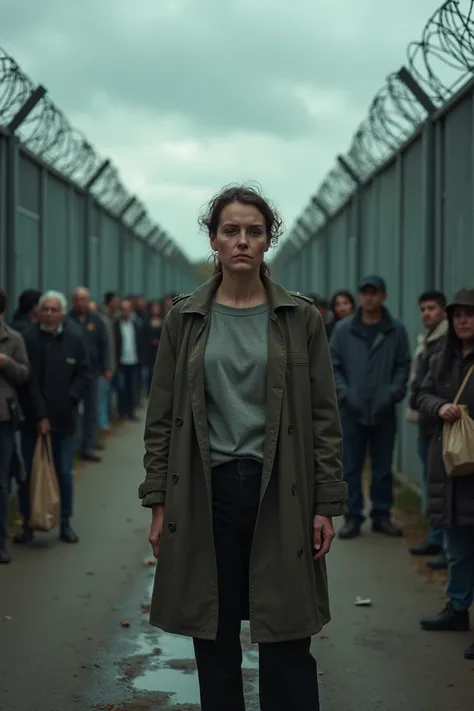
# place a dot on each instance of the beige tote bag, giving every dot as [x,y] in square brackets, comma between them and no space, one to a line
[458,439]
[45,498]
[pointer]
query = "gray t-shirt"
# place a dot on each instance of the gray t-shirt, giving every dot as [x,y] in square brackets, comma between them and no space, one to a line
[235,373]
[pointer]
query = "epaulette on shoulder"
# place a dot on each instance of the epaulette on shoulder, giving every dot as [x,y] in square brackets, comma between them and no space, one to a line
[301,296]
[180,297]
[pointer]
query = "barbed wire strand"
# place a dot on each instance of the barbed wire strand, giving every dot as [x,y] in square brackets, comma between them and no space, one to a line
[47,133]
[441,61]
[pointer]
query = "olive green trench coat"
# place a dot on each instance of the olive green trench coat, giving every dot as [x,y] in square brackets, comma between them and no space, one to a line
[301,475]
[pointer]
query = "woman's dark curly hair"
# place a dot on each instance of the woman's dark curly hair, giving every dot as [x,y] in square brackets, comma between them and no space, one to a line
[347,295]
[246,195]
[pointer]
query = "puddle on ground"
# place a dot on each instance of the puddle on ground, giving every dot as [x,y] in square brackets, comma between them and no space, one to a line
[165,663]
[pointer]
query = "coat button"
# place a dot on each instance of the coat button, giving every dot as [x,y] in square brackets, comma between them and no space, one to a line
[179,422]
[293,490]
[290,429]
[175,478]
[172,527]
[300,552]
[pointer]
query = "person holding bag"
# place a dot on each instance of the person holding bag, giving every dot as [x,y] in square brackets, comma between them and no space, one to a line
[447,397]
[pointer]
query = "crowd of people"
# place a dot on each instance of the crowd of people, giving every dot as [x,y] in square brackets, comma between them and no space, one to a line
[373,370]
[66,373]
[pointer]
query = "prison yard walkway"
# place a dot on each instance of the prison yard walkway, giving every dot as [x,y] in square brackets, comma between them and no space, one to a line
[74,631]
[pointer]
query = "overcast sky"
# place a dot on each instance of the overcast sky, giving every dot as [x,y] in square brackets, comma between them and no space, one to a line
[186,96]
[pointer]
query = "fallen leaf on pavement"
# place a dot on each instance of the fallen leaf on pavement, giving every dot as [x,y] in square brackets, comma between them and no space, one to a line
[125,623]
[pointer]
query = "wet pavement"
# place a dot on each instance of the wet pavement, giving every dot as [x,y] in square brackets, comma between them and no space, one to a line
[74,632]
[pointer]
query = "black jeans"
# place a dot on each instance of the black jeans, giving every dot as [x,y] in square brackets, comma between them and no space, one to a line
[127,390]
[288,674]
[7,448]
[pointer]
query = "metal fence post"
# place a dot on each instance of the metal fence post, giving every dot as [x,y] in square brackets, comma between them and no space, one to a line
[11,187]
[428,202]
[11,190]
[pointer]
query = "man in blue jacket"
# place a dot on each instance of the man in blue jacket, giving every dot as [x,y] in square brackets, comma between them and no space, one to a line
[371,360]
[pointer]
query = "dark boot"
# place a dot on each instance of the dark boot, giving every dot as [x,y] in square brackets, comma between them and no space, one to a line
[439,563]
[67,533]
[387,527]
[448,620]
[351,529]
[23,537]
[425,548]
[469,653]
[4,556]
[90,457]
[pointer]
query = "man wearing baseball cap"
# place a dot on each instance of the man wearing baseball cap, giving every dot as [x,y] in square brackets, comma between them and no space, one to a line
[371,360]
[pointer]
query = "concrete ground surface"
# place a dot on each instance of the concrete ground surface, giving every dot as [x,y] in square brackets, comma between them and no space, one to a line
[74,631]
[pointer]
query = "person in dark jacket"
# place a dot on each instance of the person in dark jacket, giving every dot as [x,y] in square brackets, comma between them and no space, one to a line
[371,360]
[451,499]
[14,371]
[60,375]
[152,330]
[96,341]
[27,312]
[433,313]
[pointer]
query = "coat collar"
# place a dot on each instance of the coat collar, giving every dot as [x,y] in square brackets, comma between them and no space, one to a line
[200,300]
[438,332]
[386,322]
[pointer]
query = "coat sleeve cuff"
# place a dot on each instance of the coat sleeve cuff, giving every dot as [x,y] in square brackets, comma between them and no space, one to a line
[330,499]
[153,498]
[335,509]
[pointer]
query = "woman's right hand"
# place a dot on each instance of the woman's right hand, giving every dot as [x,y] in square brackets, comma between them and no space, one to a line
[449,412]
[158,513]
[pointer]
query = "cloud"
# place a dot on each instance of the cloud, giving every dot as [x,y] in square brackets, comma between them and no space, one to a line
[186,96]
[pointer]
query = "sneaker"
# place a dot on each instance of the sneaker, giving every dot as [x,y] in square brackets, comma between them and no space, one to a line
[68,534]
[23,537]
[4,557]
[351,529]
[448,620]
[439,563]
[469,653]
[425,548]
[90,457]
[387,527]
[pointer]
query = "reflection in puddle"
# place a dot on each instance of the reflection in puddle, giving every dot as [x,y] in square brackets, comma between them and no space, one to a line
[184,687]
[171,668]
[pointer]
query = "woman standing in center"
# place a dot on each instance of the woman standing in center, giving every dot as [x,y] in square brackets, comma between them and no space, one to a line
[243,468]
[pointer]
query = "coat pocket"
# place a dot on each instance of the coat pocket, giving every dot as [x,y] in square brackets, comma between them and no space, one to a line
[297,359]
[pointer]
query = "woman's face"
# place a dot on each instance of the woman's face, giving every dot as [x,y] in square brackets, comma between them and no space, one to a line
[155,310]
[241,239]
[342,306]
[463,322]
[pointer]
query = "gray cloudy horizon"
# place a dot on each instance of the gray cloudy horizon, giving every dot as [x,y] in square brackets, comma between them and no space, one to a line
[188,96]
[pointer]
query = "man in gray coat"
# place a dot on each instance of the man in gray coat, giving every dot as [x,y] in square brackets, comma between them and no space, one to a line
[371,360]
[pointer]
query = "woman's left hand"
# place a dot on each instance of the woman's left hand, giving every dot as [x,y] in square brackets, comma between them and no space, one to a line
[323,535]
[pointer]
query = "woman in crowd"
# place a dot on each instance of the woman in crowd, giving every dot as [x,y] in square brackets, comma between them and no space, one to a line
[342,305]
[451,499]
[243,467]
[153,328]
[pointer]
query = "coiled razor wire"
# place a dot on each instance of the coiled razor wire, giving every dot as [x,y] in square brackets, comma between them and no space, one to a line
[440,62]
[47,133]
